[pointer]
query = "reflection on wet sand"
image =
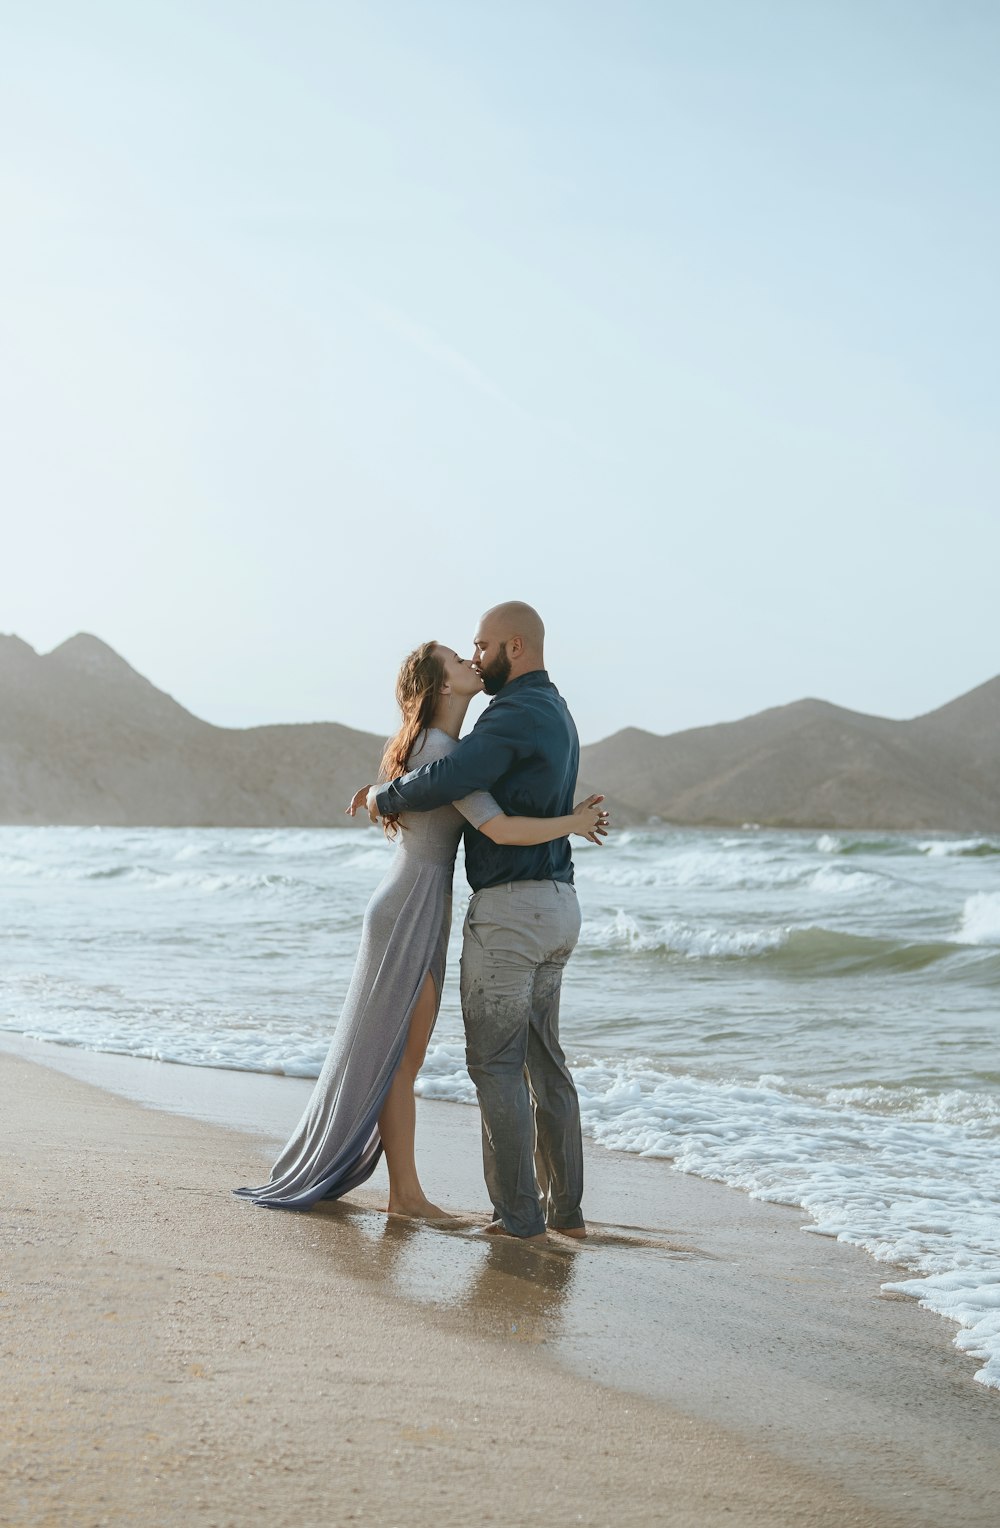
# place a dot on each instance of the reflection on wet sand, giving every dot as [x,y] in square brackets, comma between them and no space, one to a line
[498,1287]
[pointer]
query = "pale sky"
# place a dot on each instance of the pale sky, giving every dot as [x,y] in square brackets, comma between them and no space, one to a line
[325,326]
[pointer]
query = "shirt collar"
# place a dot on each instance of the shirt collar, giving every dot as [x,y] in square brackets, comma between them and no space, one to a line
[536,677]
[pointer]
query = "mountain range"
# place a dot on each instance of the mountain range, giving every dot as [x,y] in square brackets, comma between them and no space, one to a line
[86,739]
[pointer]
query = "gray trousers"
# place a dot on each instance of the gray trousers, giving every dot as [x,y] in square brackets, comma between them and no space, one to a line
[517,939]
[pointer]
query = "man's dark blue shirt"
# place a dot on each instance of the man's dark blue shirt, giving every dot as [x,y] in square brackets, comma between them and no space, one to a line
[525,751]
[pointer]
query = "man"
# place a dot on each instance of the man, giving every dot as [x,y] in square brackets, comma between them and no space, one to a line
[522,924]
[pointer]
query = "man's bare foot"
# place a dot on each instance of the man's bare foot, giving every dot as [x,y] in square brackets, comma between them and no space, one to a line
[417,1209]
[499,1229]
[577,1232]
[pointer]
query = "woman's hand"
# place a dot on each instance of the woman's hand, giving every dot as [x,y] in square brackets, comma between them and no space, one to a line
[358,800]
[590,821]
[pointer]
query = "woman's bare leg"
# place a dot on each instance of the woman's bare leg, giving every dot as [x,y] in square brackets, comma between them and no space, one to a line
[398,1121]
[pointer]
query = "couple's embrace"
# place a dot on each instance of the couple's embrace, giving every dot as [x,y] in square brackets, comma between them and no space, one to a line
[509,785]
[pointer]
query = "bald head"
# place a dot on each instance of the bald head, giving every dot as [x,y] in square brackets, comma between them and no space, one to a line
[516,619]
[510,641]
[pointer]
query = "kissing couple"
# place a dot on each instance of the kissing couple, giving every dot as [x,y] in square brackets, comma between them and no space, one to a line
[509,786]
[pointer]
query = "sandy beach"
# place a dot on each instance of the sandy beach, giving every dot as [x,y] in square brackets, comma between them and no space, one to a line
[174,1355]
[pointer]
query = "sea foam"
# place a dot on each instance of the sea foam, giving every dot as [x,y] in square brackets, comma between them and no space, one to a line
[676,937]
[981,919]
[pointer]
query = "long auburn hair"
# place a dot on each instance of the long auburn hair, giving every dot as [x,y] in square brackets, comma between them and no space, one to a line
[418,688]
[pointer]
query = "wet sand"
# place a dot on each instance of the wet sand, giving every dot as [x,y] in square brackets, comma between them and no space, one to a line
[178,1356]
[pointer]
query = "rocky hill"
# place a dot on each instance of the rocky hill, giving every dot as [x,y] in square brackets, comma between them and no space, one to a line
[812,764]
[86,739]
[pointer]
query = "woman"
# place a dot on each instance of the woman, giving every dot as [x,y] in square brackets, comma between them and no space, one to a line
[363,1100]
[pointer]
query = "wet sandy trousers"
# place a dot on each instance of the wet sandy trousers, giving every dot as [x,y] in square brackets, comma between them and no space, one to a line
[517,940]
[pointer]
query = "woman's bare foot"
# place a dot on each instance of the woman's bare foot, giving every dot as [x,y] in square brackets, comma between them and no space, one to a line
[417,1209]
[577,1232]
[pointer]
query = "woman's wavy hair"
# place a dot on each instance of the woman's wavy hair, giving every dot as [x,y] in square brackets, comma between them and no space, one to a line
[418,688]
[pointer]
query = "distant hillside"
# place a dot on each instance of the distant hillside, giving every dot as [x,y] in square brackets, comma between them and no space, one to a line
[85,739]
[812,764]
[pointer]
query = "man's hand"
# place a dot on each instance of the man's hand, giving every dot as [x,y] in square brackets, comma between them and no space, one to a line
[360,799]
[594,822]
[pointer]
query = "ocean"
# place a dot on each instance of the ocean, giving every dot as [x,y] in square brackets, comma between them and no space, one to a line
[811,1017]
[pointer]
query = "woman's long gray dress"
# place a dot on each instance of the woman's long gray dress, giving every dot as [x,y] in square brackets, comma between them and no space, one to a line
[404,936]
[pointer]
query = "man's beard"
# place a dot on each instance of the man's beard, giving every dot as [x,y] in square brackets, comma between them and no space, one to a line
[496,674]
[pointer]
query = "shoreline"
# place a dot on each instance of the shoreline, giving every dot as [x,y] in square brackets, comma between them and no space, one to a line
[709,1312]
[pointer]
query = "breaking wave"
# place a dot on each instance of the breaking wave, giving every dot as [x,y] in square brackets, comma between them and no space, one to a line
[814,950]
[900,844]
